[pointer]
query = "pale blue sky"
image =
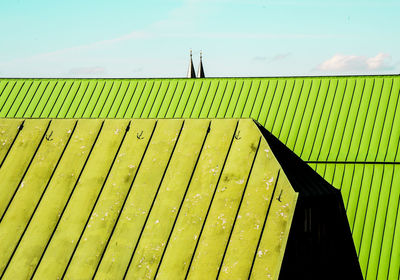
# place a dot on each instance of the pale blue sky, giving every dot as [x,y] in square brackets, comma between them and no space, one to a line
[122,38]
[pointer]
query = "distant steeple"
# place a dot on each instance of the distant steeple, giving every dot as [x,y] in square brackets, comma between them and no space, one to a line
[191,72]
[200,73]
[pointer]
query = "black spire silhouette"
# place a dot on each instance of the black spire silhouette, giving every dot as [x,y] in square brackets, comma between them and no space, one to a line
[200,73]
[191,72]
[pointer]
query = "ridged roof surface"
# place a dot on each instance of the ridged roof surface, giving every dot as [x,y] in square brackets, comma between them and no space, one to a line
[141,198]
[346,128]
[321,119]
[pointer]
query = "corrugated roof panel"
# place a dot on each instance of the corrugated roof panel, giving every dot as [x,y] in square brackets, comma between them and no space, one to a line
[308,141]
[62,96]
[233,99]
[56,97]
[307,115]
[36,110]
[167,99]
[242,100]
[127,231]
[113,94]
[171,192]
[212,108]
[349,120]
[148,104]
[92,241]
[128,97]
[200,99]
[268,255]
[19,159]
[193,211]
[275,103]
[281,112]
[83,98]
[3,85]
[20,203]
[260,96]
[8,132]
[156,104]
[20,110]
[225,99]
[204,105]
[113,107]
[53,202]
[288,116]
[66,105]
[193,97]
[214,236]
[75,216]
[373,217]
[248,105]
[139,198]
[169,110]
[10,94]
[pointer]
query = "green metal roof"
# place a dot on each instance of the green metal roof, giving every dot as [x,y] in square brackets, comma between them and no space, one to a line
[345,127]
[139,198]
[371,193]
[320,119]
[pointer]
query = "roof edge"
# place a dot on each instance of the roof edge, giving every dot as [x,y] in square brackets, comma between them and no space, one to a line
[217,77]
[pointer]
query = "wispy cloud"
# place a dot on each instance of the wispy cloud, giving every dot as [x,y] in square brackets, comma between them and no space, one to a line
[279,57]
[137,70]
[260,58]
[87,71]
[275,58]
[91,46]
[246,35]
[348,63]
[330,3]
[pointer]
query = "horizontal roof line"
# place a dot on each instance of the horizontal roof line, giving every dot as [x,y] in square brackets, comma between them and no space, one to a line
[353,162]
[180,78]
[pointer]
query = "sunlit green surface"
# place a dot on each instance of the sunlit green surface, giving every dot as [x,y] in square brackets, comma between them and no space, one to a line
[337,122]
[142,199]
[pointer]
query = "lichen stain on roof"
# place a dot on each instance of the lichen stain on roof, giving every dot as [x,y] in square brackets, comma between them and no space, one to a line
[141,199]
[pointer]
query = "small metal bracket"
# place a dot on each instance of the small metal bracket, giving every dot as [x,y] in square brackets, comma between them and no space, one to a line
[48,137]
[237,137]
[140,135]
[279,197]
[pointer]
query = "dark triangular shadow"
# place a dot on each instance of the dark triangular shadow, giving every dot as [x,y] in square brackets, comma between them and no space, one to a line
[320,245]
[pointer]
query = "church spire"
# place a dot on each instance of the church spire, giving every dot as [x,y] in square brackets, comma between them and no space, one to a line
[191,73]
[200,73]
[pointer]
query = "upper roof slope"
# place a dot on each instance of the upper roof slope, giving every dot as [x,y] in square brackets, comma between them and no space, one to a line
[331,119]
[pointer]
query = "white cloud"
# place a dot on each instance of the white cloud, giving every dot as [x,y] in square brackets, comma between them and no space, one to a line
[381,60]
[347,63]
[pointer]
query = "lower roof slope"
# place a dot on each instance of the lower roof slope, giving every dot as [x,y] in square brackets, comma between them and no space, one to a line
[141,198]
[171,199]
